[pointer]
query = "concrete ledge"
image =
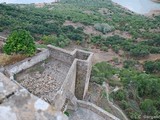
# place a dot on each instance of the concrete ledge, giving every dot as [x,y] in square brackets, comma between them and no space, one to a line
[7,87]
[97,110]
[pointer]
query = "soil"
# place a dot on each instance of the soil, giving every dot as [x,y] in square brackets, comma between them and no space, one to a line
[120,33]
[99,56]
[151,57]
[153,13]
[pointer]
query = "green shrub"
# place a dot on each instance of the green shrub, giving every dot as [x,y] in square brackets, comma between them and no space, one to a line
[148,107]
[152,66]
[124,105]
[60,41]
[139,51]
[119,95]
[103,27]
[116,48]
[50,39]
[20,42]
[104,48]
[102,72]
[129,63]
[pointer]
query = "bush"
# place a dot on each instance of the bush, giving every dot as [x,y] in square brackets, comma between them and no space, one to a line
[152,66]
[124,105]
[116,48]
[129,63]
[103,27]
[60,41]
[119,95]
[148,107]
[49,39]
[20,42]
[102,72]
[104,48]
[139,51]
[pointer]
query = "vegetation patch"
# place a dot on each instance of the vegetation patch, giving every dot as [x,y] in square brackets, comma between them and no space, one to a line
[139,93]
[10,59]
[20,42]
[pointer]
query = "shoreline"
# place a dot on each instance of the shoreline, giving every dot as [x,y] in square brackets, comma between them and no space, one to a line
[157,1]
[152,13]
[155,12]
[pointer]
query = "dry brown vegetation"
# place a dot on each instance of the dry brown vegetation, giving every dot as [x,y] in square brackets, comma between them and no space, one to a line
[10,59]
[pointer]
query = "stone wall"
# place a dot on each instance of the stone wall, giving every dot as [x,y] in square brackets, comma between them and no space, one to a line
[26,63]
[97,110]
[67,88]
[77,79]
[83,67]
[83,73]
[89,68]
[61,54]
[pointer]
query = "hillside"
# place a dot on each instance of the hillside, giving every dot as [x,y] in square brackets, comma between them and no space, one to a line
[129,44]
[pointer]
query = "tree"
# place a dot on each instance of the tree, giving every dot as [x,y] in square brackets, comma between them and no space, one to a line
[20,42]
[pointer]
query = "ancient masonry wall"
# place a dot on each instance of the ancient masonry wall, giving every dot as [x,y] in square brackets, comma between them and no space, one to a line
[26,63]
[97,110]
[76,81]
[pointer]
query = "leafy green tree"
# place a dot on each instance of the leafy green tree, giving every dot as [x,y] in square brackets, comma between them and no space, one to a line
[20,42]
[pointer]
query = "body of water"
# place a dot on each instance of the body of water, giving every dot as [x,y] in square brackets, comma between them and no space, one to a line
[26,1]
[139,6]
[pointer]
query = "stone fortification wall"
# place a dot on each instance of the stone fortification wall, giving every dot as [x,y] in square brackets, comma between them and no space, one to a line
[61,54]
[26,63]
[67,89]
[97,110]
[76,81]
[83,67]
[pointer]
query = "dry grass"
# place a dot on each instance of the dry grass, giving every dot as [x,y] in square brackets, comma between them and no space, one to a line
[10,59]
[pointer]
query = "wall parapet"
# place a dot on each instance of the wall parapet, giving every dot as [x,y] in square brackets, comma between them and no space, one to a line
[97,110]
[27,63]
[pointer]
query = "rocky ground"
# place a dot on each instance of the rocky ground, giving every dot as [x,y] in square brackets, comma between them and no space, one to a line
[44,79]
